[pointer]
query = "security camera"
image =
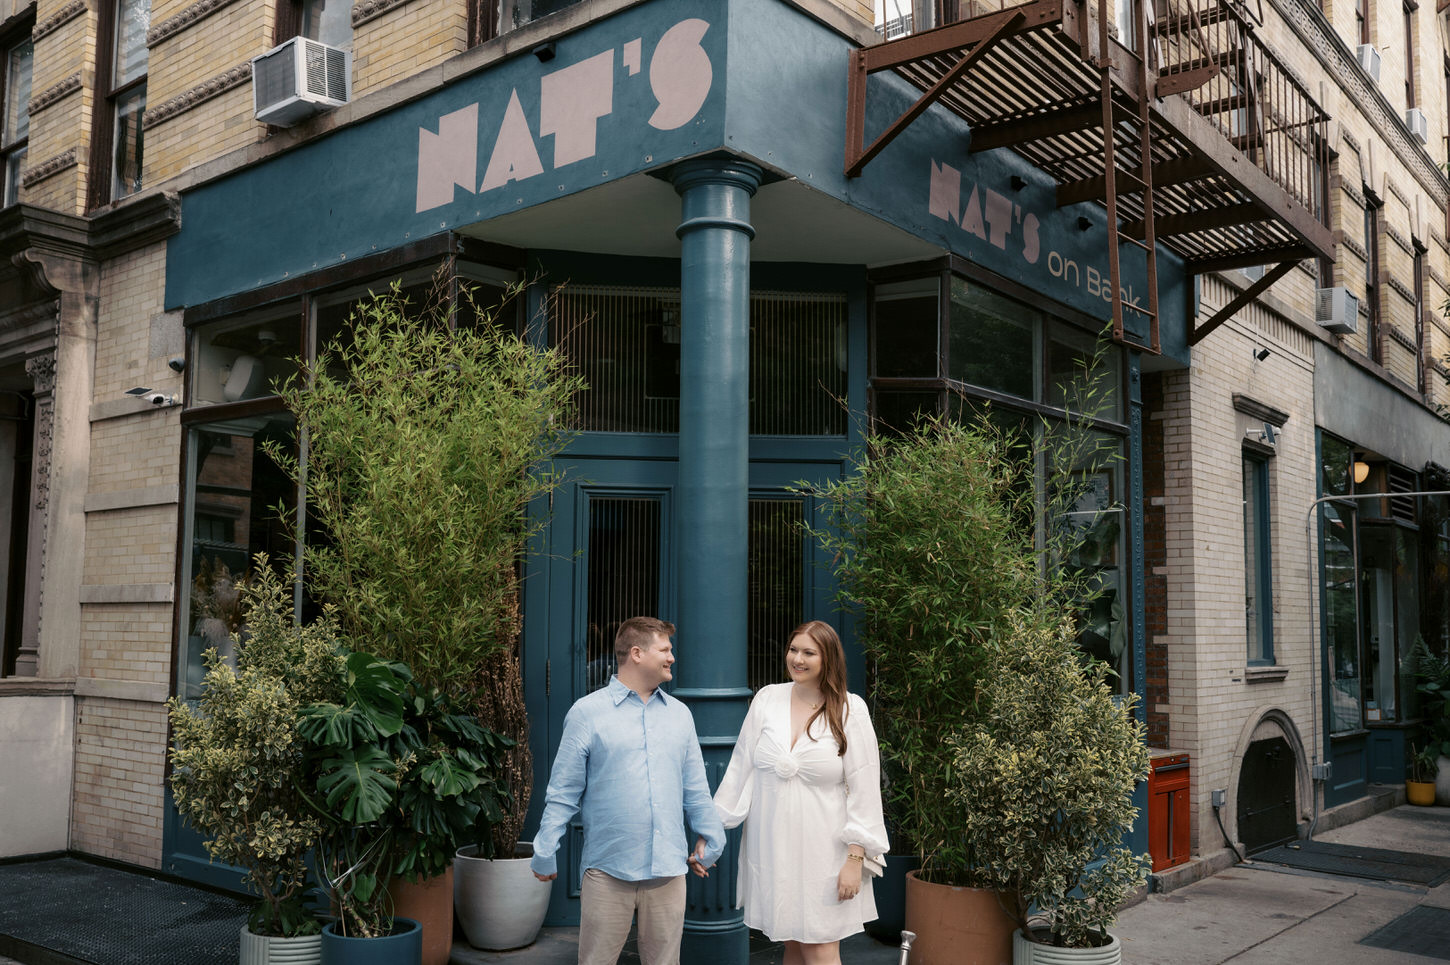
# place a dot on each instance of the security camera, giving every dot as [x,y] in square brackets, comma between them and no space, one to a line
[157,398]
[177,363]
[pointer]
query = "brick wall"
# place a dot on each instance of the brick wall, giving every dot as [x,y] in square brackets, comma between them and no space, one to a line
[120,760]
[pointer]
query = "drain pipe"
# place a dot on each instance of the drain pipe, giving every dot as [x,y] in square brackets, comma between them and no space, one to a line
[1318,772]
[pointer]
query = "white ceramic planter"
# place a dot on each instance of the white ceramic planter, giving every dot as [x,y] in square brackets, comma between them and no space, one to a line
[1034,953]
[499,903]
[265,950]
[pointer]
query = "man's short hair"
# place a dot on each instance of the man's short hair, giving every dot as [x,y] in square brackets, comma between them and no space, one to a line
[639,632]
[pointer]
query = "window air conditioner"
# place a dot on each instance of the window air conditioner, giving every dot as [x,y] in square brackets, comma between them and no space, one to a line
[299,78]
[1415,121]
[1337,310]
[1369,59]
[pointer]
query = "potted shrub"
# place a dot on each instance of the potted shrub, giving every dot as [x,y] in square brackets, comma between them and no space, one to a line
[427,444]
[1432,684]
[1043,783]
[236,760]
[1420,784]
[397,777]
[929,550]
[425,507]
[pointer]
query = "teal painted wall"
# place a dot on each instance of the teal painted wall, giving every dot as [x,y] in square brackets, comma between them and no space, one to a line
[638,91]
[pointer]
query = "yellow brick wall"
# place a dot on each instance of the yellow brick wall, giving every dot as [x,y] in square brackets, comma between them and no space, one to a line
[190,59]
[66,124]
[120,766]
[406,40]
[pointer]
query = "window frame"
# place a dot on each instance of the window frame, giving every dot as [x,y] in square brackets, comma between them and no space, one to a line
[1258,559]
[9,149]
[1374,334]
[1410,6]
[102,179]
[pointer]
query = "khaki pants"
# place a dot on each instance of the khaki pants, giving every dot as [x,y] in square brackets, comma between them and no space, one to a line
[608,905]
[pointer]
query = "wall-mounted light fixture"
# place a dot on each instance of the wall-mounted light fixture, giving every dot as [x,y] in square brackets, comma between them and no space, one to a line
[1084,222]
[1360,468]
[1017,182]
[1261,353]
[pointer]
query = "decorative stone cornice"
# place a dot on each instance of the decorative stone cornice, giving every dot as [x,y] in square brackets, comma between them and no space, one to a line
[199,94]
[1400,239]
[49,168]
[1355,247]
[1354,193]
[1399,337]
[1262,411]
[1350,140]
[365,10]
[1403,289]
[1307,21]
[58,19]
[174,25]
[54,93]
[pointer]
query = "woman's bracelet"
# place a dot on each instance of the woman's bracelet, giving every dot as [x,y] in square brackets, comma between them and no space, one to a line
[855,857]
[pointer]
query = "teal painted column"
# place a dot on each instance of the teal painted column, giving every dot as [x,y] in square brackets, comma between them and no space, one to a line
[711,535]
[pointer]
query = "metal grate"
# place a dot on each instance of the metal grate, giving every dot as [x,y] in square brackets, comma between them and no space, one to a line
[1423,930]
[624,575]
[777,585]
[626,344]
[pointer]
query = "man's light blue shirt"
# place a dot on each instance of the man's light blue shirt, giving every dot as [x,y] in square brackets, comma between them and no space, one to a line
[635,772]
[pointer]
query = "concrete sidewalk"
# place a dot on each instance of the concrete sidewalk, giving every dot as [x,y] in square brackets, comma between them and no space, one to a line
[1256,913]
[1253,913]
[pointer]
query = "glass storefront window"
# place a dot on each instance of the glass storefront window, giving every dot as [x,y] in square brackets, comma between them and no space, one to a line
[1341,623]
[906,341]
[992,340]
[1072,384]
[234,495]
[1379,566]
[243,358]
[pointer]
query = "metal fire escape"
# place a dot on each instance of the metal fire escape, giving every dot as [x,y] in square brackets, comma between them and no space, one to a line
[1184,125]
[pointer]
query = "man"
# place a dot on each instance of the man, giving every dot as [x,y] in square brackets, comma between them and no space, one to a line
[630,763]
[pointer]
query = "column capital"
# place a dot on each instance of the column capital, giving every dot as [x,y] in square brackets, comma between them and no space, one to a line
[728,171]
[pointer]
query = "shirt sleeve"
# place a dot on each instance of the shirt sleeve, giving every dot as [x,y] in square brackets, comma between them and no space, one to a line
[864,823]
[737,787]
[566,790]
[698,808]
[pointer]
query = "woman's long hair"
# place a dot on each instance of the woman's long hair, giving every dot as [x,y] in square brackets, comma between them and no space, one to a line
[833,677]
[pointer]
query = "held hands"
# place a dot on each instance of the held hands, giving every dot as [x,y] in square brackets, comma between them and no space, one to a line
[697,859]
[546,877]
[848,882]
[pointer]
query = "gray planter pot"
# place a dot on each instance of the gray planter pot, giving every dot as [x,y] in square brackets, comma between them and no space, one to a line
[1033,953]
[265,950]
[499,903]
[1442,781]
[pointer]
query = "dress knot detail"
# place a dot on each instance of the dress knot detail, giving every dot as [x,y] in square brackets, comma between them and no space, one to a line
[786,767]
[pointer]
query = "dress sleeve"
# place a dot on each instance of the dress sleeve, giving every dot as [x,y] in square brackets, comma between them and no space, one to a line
[737,787]
[864,823]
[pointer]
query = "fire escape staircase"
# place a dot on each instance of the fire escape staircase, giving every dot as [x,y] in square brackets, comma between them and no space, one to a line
[1184,126]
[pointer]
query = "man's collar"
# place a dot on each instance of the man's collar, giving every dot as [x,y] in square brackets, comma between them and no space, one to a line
[619,693]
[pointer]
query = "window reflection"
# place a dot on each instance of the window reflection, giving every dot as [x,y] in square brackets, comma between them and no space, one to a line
[236,493]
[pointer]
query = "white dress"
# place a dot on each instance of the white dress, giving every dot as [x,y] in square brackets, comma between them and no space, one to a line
[802,806]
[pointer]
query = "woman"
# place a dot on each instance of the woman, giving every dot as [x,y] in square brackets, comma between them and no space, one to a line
[806,780]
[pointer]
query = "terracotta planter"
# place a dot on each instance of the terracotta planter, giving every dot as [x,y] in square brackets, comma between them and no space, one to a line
[500,904]
[1420,792]
[266,950]
[1026,952]
[430,904]
[956,926]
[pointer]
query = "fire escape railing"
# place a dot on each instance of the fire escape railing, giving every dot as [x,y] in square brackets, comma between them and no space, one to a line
[1209,51]
[1183,124]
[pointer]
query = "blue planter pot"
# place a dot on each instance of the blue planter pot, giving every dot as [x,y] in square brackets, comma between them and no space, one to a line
[403,947]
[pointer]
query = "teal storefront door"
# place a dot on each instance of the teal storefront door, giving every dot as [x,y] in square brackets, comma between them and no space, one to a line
[609,554]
